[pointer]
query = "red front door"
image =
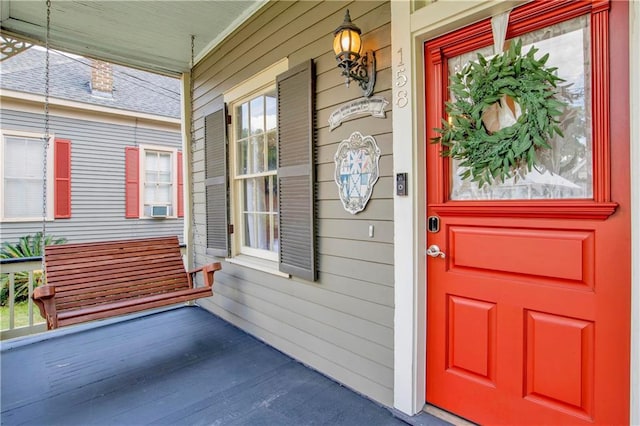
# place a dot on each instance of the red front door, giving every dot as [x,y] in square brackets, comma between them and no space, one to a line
[528,312]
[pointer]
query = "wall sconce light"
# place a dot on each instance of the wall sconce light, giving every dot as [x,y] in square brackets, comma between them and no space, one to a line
[347,47]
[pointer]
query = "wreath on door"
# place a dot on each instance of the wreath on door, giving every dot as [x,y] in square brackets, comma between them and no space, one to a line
[504,111]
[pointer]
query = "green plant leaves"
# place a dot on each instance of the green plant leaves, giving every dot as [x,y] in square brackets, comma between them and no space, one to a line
[490,156]
[27,246]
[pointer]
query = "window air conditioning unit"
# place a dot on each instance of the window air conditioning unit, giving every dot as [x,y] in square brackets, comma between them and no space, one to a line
[159,211]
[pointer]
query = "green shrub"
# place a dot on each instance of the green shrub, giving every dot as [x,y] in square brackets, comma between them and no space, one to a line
[27,246]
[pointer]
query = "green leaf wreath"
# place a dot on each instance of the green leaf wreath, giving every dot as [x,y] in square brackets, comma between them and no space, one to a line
[487,156]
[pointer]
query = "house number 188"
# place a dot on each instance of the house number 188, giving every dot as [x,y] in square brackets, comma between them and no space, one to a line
[401,81]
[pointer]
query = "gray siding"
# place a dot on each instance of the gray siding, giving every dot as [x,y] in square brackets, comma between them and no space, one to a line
[342,324]
[97,179]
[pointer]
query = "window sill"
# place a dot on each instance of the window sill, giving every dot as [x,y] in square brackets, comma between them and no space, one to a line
[25,219]
[263,265]
[158,218]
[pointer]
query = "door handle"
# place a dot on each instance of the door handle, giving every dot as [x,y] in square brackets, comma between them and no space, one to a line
[434,251]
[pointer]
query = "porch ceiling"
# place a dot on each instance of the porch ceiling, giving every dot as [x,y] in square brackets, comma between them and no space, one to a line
[152,35]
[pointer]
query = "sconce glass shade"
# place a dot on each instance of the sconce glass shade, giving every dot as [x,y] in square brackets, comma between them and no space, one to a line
[347,46]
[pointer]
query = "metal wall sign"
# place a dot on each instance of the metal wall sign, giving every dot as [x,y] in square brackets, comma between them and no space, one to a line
[373,106]
[356,170]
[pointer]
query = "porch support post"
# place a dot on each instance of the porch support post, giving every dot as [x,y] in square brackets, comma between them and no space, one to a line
[409,230]
[187,170]
[634,99]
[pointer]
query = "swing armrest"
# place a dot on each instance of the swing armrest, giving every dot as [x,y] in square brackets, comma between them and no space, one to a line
[208,271]
[44,298]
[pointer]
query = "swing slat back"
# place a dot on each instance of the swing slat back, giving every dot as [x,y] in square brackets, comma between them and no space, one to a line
[89,281]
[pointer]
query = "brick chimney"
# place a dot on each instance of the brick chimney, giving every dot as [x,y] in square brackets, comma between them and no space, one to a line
[101,78]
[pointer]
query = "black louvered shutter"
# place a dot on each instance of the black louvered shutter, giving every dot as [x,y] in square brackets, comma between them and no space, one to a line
[296,171]
[215,146]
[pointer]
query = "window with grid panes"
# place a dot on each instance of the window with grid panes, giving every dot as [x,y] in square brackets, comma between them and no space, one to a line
[259,172]
[158,180]
[22,177]
[255,174]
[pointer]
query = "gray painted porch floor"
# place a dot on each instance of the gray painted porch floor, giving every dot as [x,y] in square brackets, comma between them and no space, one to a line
[182,366]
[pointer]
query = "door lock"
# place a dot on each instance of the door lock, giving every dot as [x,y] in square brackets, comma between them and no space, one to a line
[433,224]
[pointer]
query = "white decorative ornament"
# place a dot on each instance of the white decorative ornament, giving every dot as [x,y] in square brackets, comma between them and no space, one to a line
[374,106]
[356,170]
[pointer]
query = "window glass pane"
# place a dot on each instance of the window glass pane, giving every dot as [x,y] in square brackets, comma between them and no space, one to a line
[163,194]
[274,193]
[258,213]
[272,142]
[276,234]
[23,177]
[256,232]
[243,157]
[271,111]
[151,160]
[242,121]
[268,206]
[257,115]
[164,177]
[23,157]
[256,155]
[157,194]
[273,184]
[565,171]
[255,191]
[15,156]
[23,198]
[149,194]
[164,162]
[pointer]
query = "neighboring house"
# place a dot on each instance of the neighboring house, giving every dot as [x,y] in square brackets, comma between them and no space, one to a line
[525,309]
[114,165]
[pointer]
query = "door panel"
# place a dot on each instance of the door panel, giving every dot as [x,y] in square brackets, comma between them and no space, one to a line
[559,363]
[563,255]
[528,313]
[471,339]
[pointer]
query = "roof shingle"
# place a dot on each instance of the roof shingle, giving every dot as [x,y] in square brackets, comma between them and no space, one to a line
[70,77]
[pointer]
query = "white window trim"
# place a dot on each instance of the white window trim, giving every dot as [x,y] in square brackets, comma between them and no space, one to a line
[174,178]
[257,82]
[245,256]
[258,264]
[50,178]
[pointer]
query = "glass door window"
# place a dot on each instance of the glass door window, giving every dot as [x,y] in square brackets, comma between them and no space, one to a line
[566,170]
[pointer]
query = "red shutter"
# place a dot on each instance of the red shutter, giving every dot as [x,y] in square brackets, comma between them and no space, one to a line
[132,182]
[180,187]
[62,179]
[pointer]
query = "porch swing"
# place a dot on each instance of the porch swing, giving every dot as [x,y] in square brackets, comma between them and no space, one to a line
[97,280]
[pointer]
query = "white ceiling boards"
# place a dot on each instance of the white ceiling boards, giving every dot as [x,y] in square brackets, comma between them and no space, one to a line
[153,35]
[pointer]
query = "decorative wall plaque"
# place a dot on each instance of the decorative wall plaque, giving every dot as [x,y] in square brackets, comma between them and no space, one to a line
[356,170]
[373,106]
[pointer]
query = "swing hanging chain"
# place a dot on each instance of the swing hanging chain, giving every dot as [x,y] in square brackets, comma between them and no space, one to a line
[46,137]
[194,230]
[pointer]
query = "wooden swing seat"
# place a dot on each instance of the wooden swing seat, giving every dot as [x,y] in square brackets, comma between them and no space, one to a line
[90,281]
